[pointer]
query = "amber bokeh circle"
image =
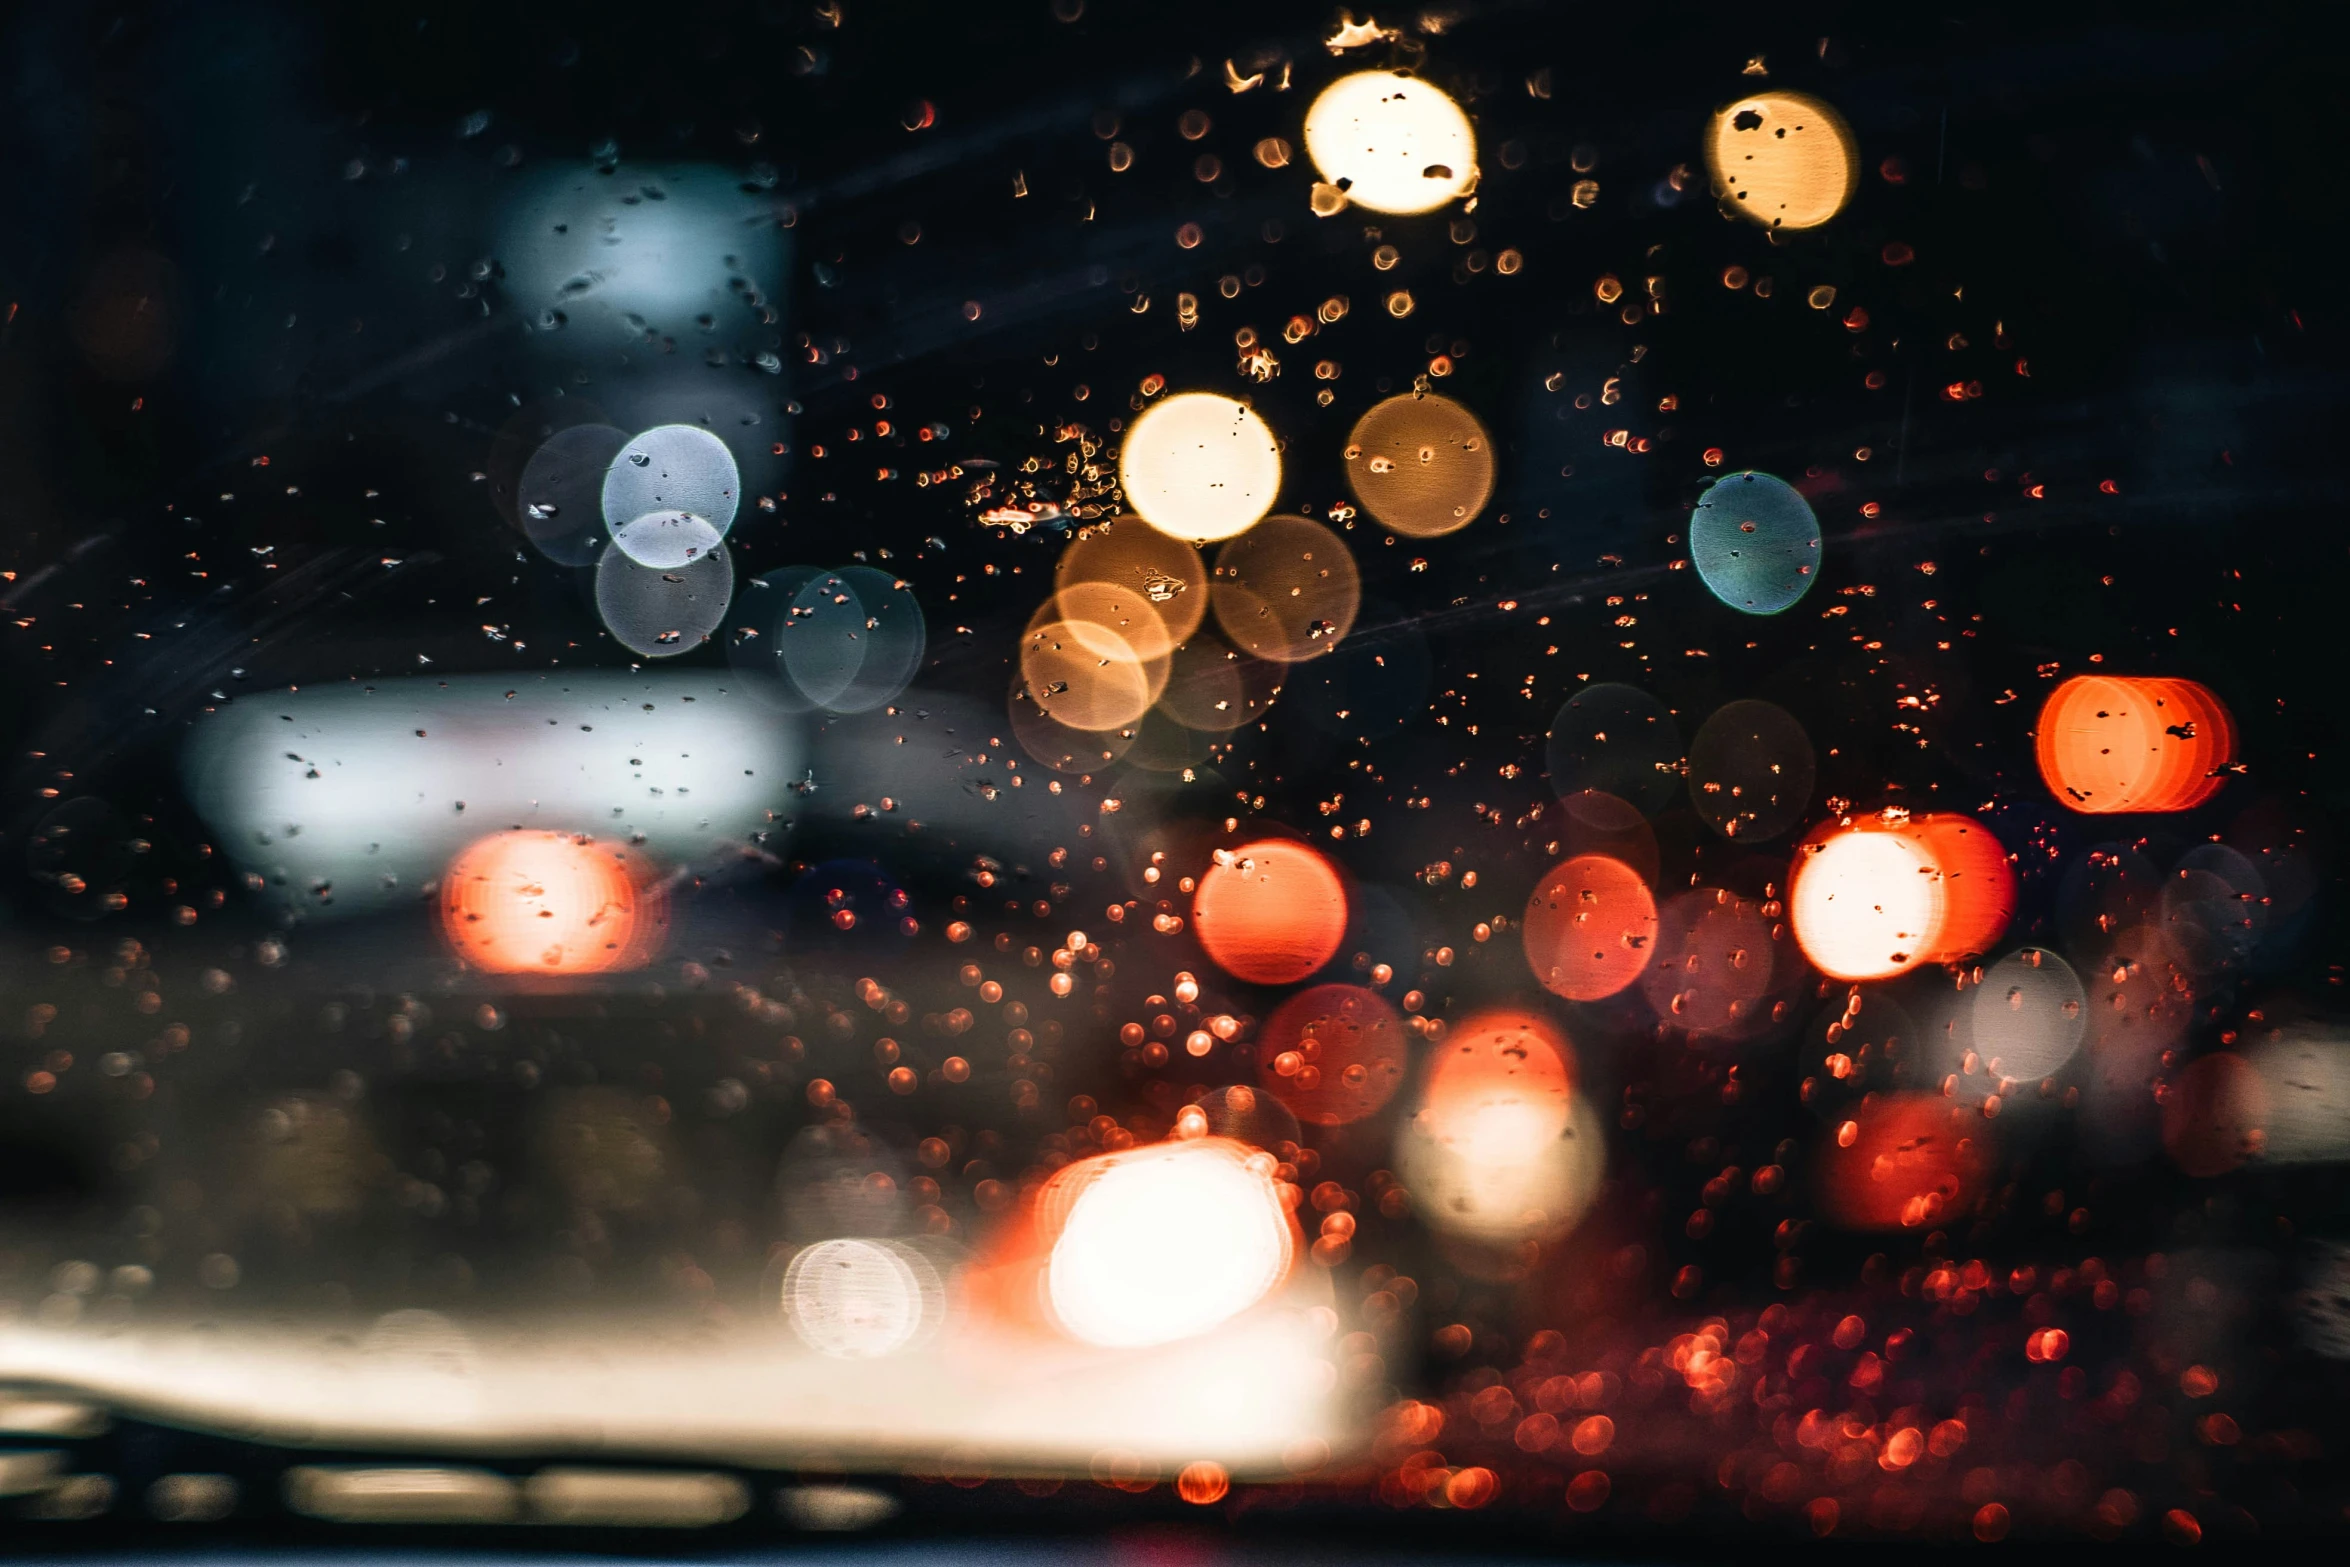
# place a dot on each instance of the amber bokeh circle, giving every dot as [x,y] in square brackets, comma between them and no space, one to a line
[1421,465]
[1287,591]
[1784,160]
[1059,747]
[1124,610]
[1129,553]
[1215,688]
[1087,675]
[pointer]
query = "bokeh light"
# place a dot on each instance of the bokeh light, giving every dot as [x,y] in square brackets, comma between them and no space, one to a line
[851,639]
[1163,1243]
[660,614]
[559,498]
[1938,1050]
[1592,821]
[1161,745]
[1616,739]
[1058,746]
[339,800]
[822,638]
[1128,553]
[752,634]
[672,468]
[1978,883]
[1502,1054]
[1242,1114]
[666,540]
[1865,905]
[1497,1177]
[1150,927]
[1333,1053]
[1723,963]
[632,247]
[2214,909]
[2140,1003]
[529,902]
[528,428]
[1287,590]
[1085,675]
[1903,1162]
[1590,928]
[1270,912]
[1215,688]
[1391,143]
[1421,465]
[2029,1015]
[1755,543]
[2109,744]
[1872,897]
[1501,1148]
[1750,771]
[1123,610]
[1782,159]
[1199,466]
[855,1299]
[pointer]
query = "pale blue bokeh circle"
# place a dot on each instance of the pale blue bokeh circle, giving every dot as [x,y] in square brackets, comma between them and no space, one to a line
[1755,543]
[673,467]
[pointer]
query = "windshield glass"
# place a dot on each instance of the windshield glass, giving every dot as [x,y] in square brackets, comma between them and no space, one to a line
[795,767]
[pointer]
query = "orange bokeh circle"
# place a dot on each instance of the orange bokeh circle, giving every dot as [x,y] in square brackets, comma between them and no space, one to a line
[1332,1053]
[2114,743]
[1903,1161]
[1590,927]
[1287,590]
[528,902]
[1130,553]
[1270,912]
[1978,884]
[1876,896]
[1092,673]
[1501,1056]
